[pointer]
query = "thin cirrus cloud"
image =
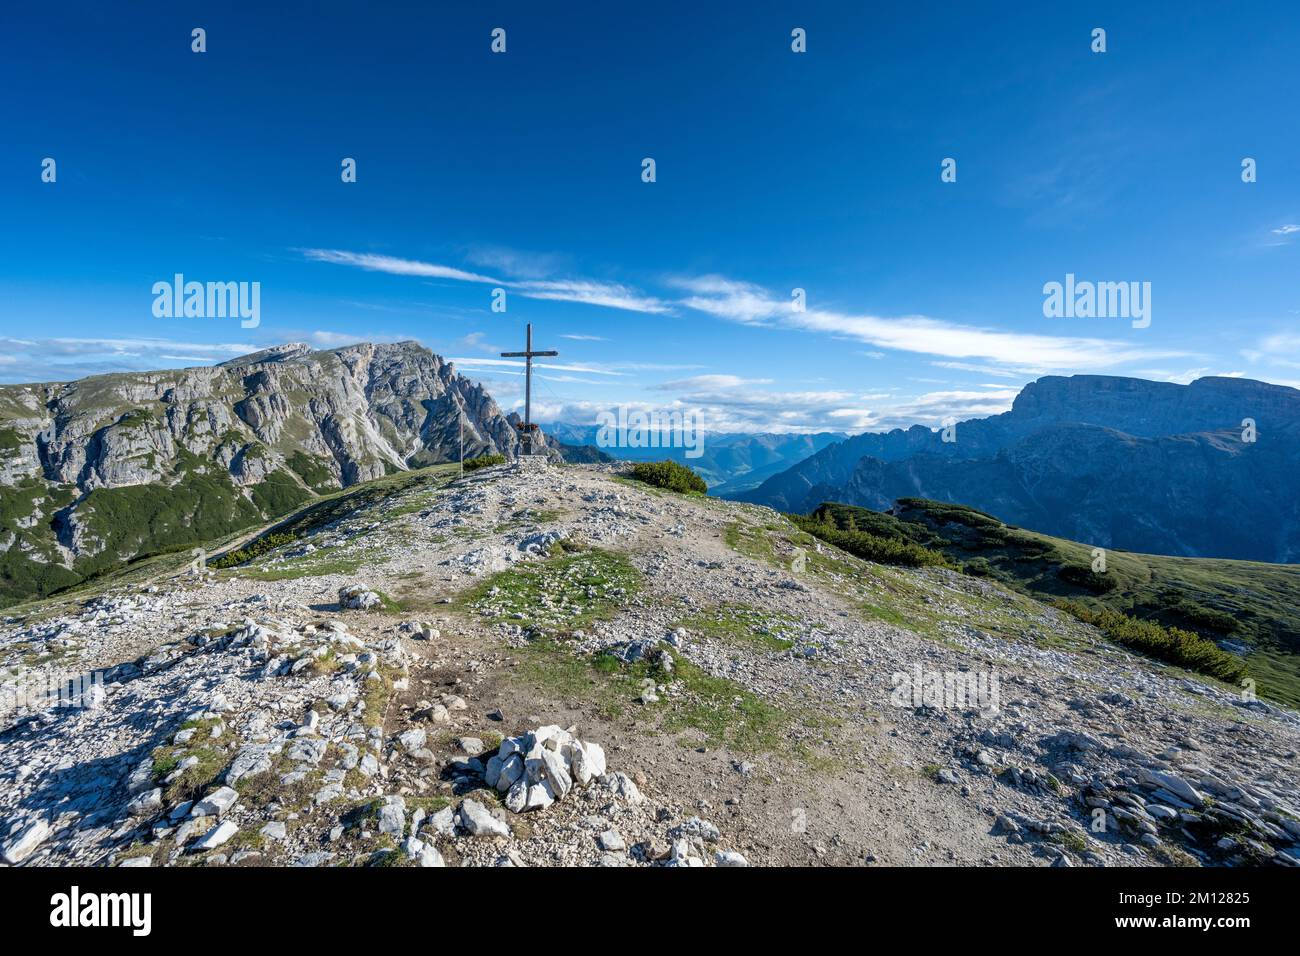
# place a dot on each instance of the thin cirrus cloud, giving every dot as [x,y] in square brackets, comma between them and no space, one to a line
[1281,349]
[470,361]
[65,358]
[610,295]
[746,303]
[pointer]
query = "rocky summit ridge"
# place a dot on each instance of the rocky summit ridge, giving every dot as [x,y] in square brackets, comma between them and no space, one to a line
[97,471]
[559,666]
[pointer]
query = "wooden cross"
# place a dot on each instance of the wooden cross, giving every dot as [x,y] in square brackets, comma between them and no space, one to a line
[527,355]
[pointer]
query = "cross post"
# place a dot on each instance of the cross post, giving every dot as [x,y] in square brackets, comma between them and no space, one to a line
[527,355]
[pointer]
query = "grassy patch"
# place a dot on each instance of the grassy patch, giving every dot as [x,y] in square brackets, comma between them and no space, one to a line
[1072,840]
[725,712]
[317,564]
[740,624]
[1255,604]
[557,595]
[196,780]
[720,711]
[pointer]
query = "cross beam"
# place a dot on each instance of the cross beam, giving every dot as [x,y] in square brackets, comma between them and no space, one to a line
[528,355]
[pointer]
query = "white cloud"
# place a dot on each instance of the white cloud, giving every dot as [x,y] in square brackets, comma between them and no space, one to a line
[472,362]
[710,382]
[934,408]
[475,340]
[749,304]
[586,291]
[514,262]
[610,295]
[1186,376]
[325,339]
[65,358]
[395,266]
[1281,349]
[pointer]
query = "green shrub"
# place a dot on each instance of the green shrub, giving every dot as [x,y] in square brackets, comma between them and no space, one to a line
[1170,644]
[870,547]
[1177,604]
[484,461]
[670,475]
[1085,577]
[253,550]
[882,525]
[943,512]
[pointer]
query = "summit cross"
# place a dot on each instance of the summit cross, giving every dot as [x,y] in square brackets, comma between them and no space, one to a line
[528,355]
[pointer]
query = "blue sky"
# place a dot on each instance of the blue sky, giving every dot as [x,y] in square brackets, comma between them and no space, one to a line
[775,170]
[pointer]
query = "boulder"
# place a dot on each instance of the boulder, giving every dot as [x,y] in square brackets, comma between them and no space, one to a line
[537,768]
[358,597]
[20,846]
[478,821]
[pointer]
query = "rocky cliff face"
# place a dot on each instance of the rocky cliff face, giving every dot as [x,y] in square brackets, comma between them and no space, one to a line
[102,469]
[1117,462]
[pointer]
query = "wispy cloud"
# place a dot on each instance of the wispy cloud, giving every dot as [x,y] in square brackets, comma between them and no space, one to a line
[474,362]
[519,264]
[610,295]
[65,358]
[583,338]
[477,340]
[750,304]
[1185,376]
[395,266]
[1281,349]
[607,294]
[731,403]
[711,381]
[326,339]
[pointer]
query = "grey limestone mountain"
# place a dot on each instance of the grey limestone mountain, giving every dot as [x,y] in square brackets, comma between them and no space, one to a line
[100,470]
[1117,462]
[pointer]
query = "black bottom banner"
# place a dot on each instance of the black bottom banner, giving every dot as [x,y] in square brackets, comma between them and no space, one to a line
[144,906]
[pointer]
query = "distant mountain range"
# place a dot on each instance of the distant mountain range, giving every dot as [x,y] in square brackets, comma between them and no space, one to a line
[101,470]
[730,462]
[1115,462]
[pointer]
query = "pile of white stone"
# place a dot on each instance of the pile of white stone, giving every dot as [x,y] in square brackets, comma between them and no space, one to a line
[358,597]
[537,768]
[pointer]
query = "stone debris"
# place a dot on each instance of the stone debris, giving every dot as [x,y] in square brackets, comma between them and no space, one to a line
[236,708]
[537,768]
[358,597]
